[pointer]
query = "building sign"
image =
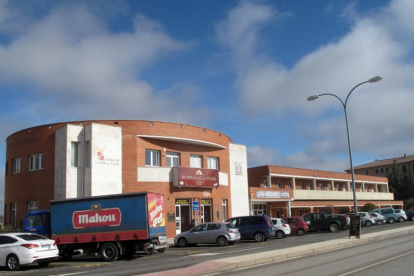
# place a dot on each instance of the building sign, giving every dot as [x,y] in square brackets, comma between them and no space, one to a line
[272,194]
[205,201]
[182,201]
[196,177]
[156,210]
[96,217]
[103,159]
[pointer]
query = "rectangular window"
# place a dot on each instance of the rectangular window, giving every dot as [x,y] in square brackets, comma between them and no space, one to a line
[13,214]
[224,206]
[301,186]
[265,183]
[152,158]
[382,170]
[16,165]
[290,185]
[376,171]
[32,206]
[404,168]
[195,161]
[212,163]
[279,184]
[36,162]
[259,209]
[366,172]
[386,169]
[74,154]
[87,154]
[173,159]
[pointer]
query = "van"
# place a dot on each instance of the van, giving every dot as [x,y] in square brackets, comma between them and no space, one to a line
[257,228]
[388,213]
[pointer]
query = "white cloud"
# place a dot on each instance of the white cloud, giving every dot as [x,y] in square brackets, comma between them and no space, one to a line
[378,44]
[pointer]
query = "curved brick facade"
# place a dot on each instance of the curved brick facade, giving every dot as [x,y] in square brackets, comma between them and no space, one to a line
[38,185]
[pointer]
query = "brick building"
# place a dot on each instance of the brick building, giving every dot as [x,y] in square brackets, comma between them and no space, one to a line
[280,191]
[91,158]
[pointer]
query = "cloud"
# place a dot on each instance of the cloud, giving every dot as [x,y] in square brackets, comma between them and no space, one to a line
[75,67]
[379,43]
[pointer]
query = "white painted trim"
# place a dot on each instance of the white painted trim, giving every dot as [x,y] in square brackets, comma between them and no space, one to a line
[184,140]
[324,178]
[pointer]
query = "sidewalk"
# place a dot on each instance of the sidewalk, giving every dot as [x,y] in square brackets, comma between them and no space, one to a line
[230,263]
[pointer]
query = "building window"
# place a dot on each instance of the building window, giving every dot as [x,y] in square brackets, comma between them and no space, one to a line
[366,172]
[279,184]
[32,206]
[87,159]
[386,169]
[290,185]
[152,158]
[343,187]
[173,159]
[265,183]
[382,170]
[404,168]
[239,168]
[13,212]
[195,161]
[259,209]
[224,208]
[36,162]
[16,165]
[212,163]
[329,187]
[74,154]
[377,171]
[302,187]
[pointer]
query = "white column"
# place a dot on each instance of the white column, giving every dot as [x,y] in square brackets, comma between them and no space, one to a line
[314,184]
[289,211]
[348,185]
[269,180]
[363,186]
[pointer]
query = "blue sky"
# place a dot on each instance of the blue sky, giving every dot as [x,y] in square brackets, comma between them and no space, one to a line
[244,68]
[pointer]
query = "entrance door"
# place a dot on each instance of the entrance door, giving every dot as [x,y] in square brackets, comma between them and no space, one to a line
[185,218]
[205,213]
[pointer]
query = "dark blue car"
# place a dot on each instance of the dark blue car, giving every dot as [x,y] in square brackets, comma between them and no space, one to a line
[257,228]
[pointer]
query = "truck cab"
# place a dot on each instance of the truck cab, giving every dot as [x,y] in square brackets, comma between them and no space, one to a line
[37,222]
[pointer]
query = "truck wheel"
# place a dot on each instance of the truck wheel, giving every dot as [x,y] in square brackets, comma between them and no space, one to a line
[333,228]
[182,242]
[280,235]
[12,262]
[368,223]
[391,221]
[149,251]
[66,255]
[109,252]
[300,232]
[161,250]
[259,237]
[222,241]
[401,219]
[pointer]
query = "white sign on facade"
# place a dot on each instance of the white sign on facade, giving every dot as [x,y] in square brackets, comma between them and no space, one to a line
[272,194]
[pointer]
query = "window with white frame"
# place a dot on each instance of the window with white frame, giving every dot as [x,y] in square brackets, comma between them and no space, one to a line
[279,184]
[290,185]
[74,154]
[196,161]
[259,209]
[16,165]
[224,209]
[32,206]
[173,159]
[36,162]
[212,163]
[266,185]
[152,158]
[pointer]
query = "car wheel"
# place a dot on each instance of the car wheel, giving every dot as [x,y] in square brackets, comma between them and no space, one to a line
[259,237]
[12,262]
[333,228]
[149,251]
[222,241]
[379,222]
[300,232]
[391,221]
[44,264]
[401,219]
[109,252]
[66,255]
[279,234]
[161,250]
[182,242]
[368,223]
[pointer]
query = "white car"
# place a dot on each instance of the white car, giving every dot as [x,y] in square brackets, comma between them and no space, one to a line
[379,219]
[281,228]
[366,218]
[25,248]
[401,215]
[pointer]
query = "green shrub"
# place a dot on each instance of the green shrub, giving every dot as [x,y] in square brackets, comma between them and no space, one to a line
[408,203]
[369,207]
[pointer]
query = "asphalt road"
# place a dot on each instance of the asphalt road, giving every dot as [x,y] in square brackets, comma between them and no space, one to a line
[387,257]
[175,257]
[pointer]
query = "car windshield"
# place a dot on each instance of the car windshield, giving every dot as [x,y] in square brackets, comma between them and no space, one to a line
[31,237]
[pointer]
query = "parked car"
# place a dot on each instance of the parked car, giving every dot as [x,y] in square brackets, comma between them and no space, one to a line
[18,249]
[347,219]
[222,233]
[379,219]
[401,215]
[321,221]
[410,214]
[388,213]
[298,225]
[281,228]
[366,219]
[257,228]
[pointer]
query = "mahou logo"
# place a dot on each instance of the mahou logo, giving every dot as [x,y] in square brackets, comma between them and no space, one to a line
[96,217]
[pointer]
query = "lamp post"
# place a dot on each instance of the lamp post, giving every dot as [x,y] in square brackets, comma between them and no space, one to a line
[314,97]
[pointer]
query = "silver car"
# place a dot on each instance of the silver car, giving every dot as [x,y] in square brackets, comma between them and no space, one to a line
[222,233]
[379,219]
[401,215]
[366,219]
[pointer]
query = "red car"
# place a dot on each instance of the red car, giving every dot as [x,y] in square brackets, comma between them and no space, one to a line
[297,225]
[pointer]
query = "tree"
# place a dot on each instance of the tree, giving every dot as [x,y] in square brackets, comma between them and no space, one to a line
[409,203]
[369,207]
[399,184]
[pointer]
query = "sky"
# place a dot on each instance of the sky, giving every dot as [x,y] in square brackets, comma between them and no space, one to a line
[244,68]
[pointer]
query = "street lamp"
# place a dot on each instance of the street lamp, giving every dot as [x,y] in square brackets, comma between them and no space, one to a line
[314,97]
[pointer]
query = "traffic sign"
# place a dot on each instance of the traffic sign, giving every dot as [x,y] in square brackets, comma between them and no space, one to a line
[195,206]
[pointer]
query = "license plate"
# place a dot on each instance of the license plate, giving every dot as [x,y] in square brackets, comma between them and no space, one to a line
[45,246]
[162,239]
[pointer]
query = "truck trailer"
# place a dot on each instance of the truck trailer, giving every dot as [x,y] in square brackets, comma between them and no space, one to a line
[113,226]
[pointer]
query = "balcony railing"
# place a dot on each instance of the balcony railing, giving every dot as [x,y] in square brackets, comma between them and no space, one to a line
[339,195]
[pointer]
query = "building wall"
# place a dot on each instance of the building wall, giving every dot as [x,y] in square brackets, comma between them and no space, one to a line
[239,183]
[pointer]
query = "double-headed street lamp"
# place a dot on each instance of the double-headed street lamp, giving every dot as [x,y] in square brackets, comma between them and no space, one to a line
[314,97]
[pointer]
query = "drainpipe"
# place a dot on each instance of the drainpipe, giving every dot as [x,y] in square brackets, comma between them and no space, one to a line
[83,165]
[251,204]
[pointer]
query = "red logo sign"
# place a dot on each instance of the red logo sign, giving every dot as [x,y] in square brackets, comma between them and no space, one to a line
[101,217]
[195,177]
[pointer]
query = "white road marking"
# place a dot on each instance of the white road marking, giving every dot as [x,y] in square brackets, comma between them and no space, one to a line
[76,273]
